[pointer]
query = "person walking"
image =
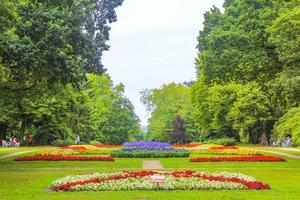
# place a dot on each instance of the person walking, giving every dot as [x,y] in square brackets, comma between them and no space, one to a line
[14,142]
[78,140]
[30,140]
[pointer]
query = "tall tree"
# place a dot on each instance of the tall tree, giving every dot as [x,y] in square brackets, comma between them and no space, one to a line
[251,49]
[47,42]
[165,104]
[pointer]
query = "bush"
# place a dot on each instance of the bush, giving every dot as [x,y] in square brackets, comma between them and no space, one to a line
[62,142]
[289,125]
[223,141]
[150,154]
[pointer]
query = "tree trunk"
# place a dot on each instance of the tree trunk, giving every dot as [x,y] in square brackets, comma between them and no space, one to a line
[3,129]
[264,139]
[22,129]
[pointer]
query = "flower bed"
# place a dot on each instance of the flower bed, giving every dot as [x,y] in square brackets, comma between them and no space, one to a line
[186,146]
[98,151]
[56,153]
[239,159]
[151,154]
[107,146]
[65,158]
[241,152]
[178,180]
[146,146]
[149,150]
[78,147]
[220,147]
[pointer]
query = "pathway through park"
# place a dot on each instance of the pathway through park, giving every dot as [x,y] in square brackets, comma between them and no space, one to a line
[289,149]
[152,164]
[281,154]
[15,154]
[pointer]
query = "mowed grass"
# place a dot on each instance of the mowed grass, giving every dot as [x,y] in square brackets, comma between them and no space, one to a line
[31,180]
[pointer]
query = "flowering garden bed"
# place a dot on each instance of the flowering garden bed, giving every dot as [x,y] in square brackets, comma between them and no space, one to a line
[151,154]
[65,158]
[149,150]
[186,146]
[239,159]
[178,180]
[239,152]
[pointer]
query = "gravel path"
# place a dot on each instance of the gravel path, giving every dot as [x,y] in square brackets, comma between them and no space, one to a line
[289,149]
[281,154]
[15,154]
[152,164]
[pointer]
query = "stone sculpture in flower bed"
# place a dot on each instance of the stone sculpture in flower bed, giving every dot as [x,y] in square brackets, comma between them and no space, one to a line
[149,150]
[143,180]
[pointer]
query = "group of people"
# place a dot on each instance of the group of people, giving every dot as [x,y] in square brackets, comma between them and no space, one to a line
[286,142]
[14,142]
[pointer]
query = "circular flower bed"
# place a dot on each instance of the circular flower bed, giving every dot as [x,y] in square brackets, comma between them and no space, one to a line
[178,180]
[239,159]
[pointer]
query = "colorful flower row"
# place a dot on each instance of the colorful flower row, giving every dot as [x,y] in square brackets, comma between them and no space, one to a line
[65,158]
[106,146]
[98,151]
[178,180]
[220,147]
[146,146]
[56,153]
[82,148]
[151,154]
[79,147]
[241,152]
[239,159]
[192,145]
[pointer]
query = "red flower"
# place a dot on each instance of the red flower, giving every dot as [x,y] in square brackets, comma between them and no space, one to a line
[251,185]
[223,147]
[239,159]
[65,158]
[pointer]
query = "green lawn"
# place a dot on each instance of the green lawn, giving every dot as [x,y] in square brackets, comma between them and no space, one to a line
[30,180]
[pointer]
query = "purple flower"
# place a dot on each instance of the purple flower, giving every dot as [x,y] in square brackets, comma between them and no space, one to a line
[149,146]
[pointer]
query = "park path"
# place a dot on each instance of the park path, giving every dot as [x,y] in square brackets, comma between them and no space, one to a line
[289,149]
[281,154]
[15,154]
[152,164]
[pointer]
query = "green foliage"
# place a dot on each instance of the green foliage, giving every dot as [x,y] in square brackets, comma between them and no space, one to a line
[289,125]
[47,48]
[150,154]
[248,68]
[166,103]
[222,141]
[284,35]
[233,110]
[63,142]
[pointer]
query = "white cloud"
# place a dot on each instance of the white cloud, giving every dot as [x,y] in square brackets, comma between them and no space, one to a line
[154,42]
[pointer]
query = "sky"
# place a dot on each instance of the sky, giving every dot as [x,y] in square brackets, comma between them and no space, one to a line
[154,43]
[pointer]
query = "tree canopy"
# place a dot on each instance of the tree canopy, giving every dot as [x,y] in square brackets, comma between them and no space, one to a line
[248,68]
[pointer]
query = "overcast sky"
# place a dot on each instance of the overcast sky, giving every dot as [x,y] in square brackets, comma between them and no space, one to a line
[153,43]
